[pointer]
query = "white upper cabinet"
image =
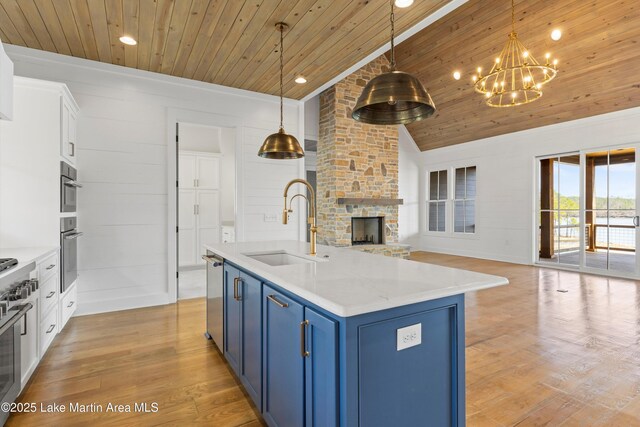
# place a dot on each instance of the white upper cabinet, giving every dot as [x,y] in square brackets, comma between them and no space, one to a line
[69,114]
[208,173]
[6,86]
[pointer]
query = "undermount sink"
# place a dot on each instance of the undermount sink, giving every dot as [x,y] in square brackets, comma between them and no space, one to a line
[278,258]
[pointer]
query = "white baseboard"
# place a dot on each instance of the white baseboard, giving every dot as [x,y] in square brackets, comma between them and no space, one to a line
[127,303]
[475,254]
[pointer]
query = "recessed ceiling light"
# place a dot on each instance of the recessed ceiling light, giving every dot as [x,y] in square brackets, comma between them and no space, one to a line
[128,40]
[403,3]
[300,80]
[456,75]
[556,34]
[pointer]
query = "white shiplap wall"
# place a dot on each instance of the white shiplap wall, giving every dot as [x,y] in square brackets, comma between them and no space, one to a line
[122,162]
[506,174]
[408,184]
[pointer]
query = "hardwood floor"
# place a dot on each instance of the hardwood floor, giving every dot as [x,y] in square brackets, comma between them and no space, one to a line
[535,357]
[156,354]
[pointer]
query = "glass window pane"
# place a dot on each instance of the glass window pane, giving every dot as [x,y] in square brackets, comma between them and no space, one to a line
[569,185]
[469,216]
[460,183]
[622,179]
[433,217]
[569,237]
[471,182]
[433,186]
[441,216]
[458,217]
[442,193]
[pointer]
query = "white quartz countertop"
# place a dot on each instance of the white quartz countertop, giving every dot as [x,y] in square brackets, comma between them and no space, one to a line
[347,282]
[25,256]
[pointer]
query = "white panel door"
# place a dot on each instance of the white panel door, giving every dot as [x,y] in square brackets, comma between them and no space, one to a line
[187,227]
[208,202]
[208,173]
[186,171]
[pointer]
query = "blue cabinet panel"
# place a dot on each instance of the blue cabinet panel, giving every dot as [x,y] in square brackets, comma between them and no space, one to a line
[232,311]
[411,387]
[283,404]
[321,371]
[251,366]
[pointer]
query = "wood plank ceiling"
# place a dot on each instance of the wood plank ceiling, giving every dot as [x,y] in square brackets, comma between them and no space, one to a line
[599,56]
[228,42]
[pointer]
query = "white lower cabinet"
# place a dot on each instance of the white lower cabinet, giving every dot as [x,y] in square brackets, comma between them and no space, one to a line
[50,313]
[48,329]
[68,305]
[29,351]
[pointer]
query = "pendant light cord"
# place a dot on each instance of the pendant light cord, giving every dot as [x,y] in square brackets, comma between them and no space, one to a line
[393,54]
[281,73]
[513,16]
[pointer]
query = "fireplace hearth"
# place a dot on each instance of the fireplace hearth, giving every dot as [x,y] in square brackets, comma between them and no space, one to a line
[367,230]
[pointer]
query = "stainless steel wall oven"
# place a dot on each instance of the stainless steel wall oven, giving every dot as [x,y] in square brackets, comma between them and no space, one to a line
[68,187]
[69,252]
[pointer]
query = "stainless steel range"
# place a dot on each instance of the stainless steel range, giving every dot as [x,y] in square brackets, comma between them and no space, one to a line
[15,287]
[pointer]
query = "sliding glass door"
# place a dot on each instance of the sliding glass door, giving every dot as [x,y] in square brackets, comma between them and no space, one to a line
[610,210]
[587,211]
[559,210]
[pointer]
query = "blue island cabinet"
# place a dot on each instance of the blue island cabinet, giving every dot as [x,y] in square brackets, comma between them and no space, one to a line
[300,364]
[243,329]
[402,366]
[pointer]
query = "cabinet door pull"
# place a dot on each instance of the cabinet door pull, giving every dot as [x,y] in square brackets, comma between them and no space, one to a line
[194,183]
[25,325]
[71,304]
[73,149]
[303,339]
[236,293]
[52,293]
[51,266]
[51,328]
[273,299]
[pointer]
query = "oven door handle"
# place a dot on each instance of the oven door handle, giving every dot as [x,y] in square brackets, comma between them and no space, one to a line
[73,236]
[23,309]
[73,184]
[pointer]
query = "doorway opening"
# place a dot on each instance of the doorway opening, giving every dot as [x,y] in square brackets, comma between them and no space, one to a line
[205,199]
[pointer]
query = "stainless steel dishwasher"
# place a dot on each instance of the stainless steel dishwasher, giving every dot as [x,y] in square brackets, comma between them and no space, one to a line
[215,306]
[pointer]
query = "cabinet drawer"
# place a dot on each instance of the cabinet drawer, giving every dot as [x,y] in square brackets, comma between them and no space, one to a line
[68,305]
[48,295]
[48,267]
[48,330]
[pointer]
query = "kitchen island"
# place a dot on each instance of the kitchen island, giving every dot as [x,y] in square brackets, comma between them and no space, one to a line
[344,337]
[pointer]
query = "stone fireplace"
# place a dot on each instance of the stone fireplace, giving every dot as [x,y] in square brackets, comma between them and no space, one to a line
[357,169]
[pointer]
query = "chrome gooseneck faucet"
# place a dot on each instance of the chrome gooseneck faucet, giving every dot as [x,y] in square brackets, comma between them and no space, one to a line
[311,204]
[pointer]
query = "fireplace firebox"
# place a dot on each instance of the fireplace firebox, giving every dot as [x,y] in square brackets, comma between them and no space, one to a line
[367,230]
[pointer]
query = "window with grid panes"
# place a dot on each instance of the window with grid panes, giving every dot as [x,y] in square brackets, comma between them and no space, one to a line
[437,203]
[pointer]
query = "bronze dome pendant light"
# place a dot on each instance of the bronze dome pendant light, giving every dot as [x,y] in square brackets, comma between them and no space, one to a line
[393,98]
[281,145]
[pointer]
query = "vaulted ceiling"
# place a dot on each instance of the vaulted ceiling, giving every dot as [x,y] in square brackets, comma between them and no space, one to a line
[228,42]
[599,56]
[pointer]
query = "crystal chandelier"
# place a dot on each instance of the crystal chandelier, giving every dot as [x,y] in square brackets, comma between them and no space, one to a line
[516,77]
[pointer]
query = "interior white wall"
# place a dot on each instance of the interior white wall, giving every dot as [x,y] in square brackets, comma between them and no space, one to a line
[408,189]
[312,118]
[122,162]
[195,137]
[228,172]
[505,181]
